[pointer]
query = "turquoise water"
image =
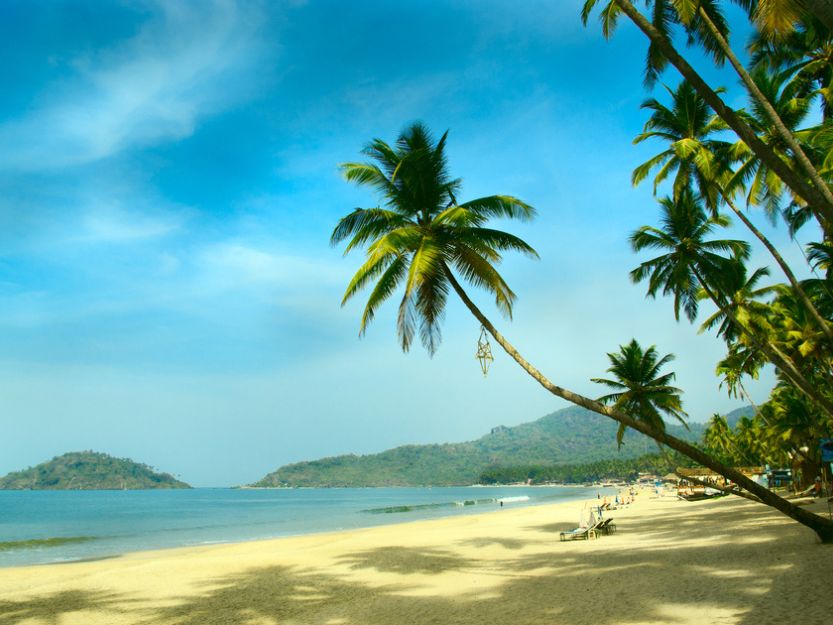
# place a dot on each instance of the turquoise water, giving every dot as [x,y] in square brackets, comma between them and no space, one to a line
[38,527]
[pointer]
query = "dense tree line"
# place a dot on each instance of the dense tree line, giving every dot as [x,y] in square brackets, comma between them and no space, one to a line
[627,469]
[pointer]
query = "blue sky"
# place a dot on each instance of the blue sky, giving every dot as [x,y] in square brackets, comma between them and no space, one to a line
[168,184]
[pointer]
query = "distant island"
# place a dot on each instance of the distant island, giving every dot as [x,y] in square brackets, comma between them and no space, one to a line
[89,470]
[572,437]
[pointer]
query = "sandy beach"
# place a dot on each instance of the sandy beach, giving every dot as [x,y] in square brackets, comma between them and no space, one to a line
[670,562]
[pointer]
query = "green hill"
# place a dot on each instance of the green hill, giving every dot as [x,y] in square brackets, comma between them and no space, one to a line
[736,415]
[88,470]
[570,436]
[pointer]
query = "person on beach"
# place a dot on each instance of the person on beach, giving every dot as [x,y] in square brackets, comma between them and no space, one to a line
[817,487]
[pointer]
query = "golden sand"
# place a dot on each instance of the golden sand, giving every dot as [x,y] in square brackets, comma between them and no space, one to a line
[670,562]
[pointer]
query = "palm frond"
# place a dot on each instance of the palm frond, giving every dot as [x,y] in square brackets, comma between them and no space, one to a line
[500,206]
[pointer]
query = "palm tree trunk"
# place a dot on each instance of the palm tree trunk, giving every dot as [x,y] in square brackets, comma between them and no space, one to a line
[821,526]
[728,491]
[776,120]
[817,202]
[799,291]
[775,355]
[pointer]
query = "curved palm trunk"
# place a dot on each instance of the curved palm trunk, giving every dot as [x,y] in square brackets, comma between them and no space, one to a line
[799,291]
[776,120]
[822,209]
[775,355]
[728,491]
[823,527]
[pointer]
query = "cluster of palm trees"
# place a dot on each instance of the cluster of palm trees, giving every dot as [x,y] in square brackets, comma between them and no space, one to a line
[423,239]
[787,325]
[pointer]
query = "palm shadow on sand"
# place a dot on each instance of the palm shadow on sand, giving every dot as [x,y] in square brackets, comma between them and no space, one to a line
[703,560]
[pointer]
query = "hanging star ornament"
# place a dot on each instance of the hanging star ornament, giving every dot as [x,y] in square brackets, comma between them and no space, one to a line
[484,351]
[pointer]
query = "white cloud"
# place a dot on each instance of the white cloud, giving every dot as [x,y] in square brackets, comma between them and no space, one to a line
[113,224]
[232,265]
[189,61]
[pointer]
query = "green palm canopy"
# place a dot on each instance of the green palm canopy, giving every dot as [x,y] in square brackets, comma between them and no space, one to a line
[640,389]
[693,153]
[420,232]
[688,259]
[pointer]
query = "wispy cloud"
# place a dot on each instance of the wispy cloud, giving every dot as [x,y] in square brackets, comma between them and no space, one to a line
[234,265]
[114,224]
[188,61]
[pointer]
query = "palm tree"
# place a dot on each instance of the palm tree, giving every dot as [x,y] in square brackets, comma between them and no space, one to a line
[805,55]
[422,232]
[689,127]
[749,440]
[719,35]
[640,389]
[780,18]
[689,262]
[741,360]
[741,293]
[411,235]
[718,437]
[698,158]
[704,23]
[764,185]
[797,335]
[795,426]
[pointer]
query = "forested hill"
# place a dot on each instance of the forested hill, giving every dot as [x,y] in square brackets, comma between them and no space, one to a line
[88,470]
[570,436]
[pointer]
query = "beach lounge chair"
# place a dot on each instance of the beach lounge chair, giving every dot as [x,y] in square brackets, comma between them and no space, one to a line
[580,533]
[606,527]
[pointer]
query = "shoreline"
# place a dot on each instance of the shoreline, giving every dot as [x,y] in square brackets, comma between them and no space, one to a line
[578,504]
[682,563]
[56,546]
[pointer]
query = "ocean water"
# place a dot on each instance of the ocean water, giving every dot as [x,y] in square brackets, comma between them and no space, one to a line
[39,527]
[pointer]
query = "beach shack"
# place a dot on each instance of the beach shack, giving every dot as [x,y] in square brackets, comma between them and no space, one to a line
[689,482]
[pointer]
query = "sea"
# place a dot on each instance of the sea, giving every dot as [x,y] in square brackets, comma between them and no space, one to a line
[42,527]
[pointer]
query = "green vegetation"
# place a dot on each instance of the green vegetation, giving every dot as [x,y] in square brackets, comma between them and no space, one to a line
[424,235]
[88,470]
[569,436]
[640,388]
[627,469]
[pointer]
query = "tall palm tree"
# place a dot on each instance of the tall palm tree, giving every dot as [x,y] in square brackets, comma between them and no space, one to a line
[796,334]
[689,262]
[764,185]
[412,179]
[805,55]
[741,294]
[718,437]
[701,21]
[700,159]
[749,439]
[640,389]
[719,35]
[689,127]
[422,232]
